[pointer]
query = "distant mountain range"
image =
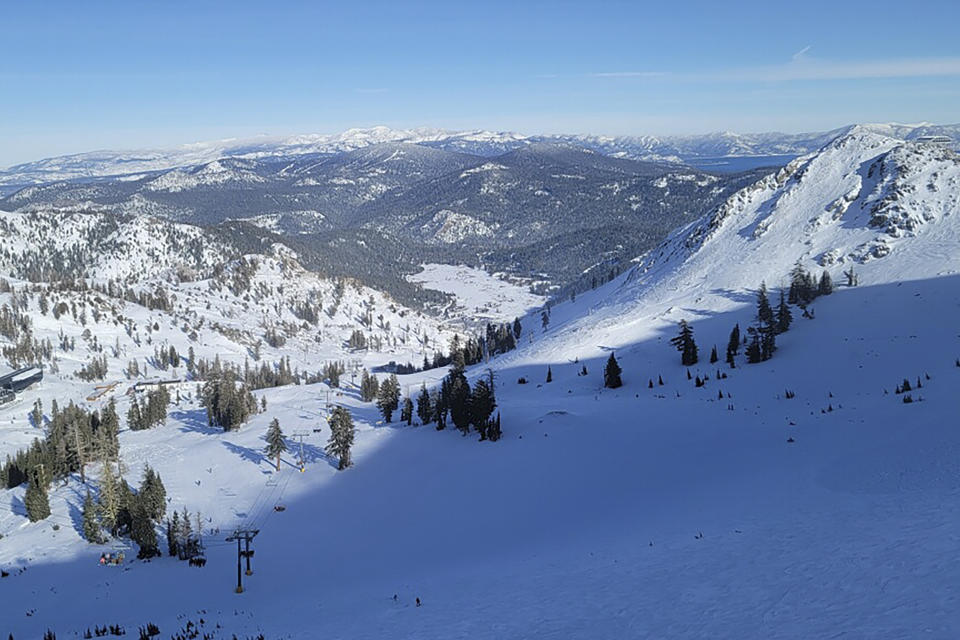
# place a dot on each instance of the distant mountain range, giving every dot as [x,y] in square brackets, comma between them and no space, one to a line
[690,149]
[374,204]
[548,211]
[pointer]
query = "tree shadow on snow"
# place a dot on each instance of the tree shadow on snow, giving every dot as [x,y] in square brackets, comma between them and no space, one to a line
[741,296]
[248,454]
[194,420]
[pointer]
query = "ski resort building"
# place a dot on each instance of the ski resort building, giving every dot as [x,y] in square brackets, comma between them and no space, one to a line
[21,379]
[151,385]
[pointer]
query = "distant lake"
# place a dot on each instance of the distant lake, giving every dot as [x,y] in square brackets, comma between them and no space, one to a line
[733,164]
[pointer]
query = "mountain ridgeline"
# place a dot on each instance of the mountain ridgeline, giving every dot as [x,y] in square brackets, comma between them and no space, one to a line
[545,211]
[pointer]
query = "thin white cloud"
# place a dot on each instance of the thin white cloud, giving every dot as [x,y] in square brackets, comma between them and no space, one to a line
[800,54]
[630,74]
[802,67]
[814,69]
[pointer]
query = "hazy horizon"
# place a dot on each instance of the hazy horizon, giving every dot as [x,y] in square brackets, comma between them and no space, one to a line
[281,136]
[112,76]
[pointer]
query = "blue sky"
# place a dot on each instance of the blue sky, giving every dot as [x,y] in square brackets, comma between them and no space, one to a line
[78,76]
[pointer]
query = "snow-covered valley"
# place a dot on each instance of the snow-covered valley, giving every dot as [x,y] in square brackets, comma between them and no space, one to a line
[797,497]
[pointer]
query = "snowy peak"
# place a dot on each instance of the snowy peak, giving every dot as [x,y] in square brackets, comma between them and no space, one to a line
[889,208]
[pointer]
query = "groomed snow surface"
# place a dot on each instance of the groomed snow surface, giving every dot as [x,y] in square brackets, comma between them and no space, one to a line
[850,531]
[662,512]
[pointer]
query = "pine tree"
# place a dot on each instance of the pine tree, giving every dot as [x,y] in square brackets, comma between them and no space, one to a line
[388,398]
[142,530]
[713,355]
[36,415]
[482,404]
[458,399]
[36,500]
[852,278]
[406,411]
[517,328]
[549,374]
[173,534]
[275,442]
[768,342]
[369,387]
[365,386]
[92,532]
[784,317]
[341,436]
[424,409]
[109,498]
[754,352]
[438,400]
[825,287]
[685,344]
[186,543]
[803,286]
[153,494]
[494,432]
[126,498]
[611,373]
[107,444]
[135,416]
[764,311]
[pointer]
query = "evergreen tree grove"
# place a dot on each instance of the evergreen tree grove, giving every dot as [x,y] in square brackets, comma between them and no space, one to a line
[825,287]
[92,532]
[36,500]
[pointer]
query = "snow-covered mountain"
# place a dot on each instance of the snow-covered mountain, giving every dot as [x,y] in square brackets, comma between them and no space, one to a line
[798,497]
[110,163]
[440,205]
[886,208]
[484,143]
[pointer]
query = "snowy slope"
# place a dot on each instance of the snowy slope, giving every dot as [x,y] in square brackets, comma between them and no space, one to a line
[636,512]
[889,209]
